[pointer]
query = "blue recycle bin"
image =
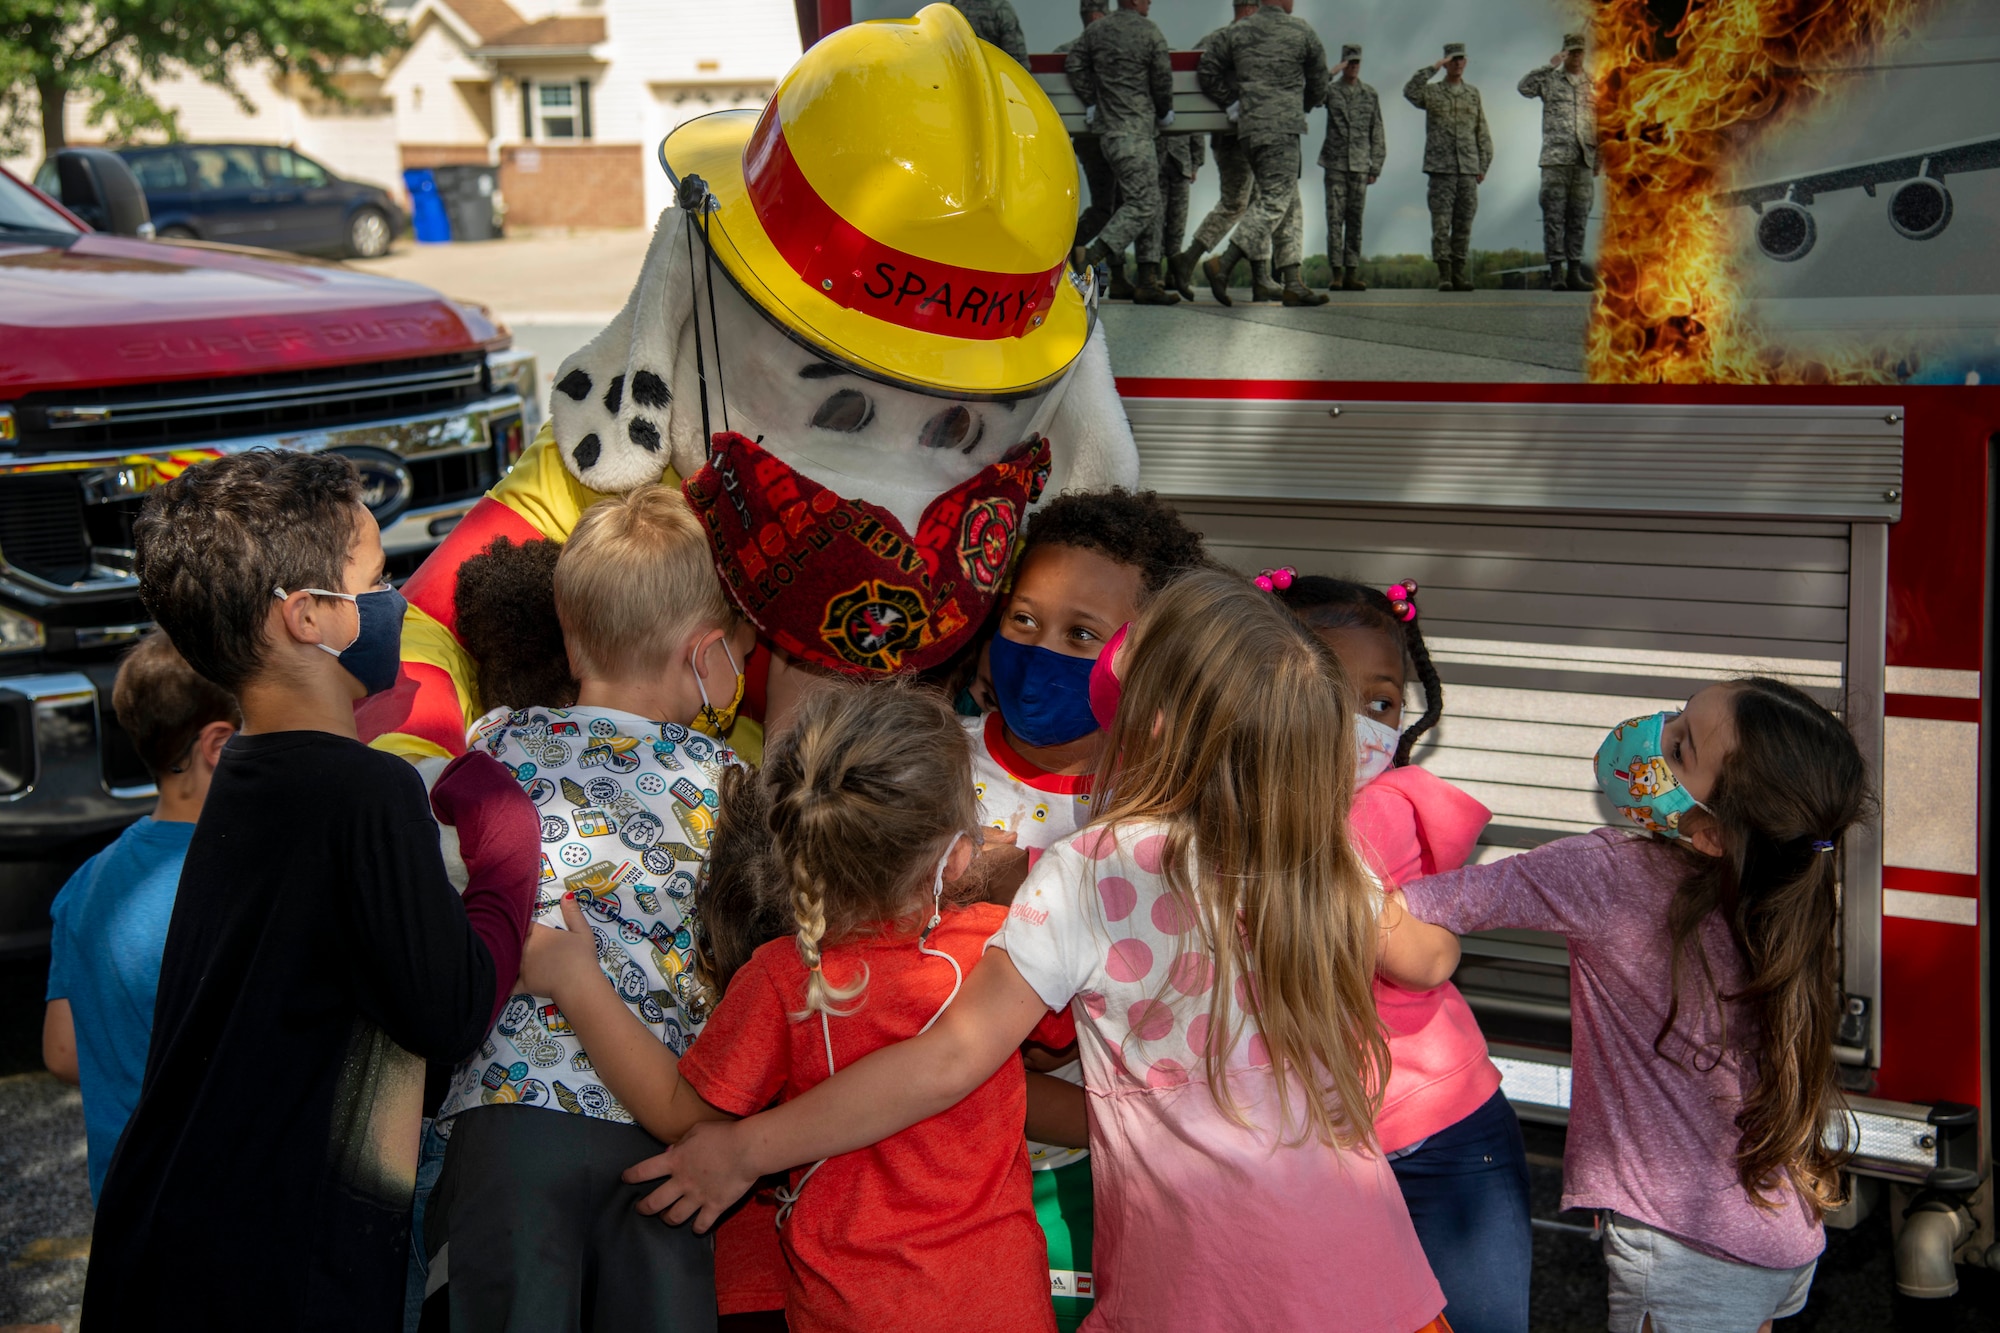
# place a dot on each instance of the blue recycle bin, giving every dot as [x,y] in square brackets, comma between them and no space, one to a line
[427,211]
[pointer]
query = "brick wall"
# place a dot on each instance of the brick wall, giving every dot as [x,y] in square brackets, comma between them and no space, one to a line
[420,155]
[574,185]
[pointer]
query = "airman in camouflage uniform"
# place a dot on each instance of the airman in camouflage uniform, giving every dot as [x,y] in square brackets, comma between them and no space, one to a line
[1096,172]
[1352,155]
[1569,159]
[1120,69]
[995,22]
[1268,72]
[1181,156]
[1458,149]
[1237,187]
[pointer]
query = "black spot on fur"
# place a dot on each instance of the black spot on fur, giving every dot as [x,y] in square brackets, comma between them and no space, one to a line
[614,395]
[586,452]
[576,384]
[649,390]
[644,434]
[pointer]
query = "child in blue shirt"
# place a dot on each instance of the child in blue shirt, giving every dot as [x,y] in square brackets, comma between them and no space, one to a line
[111,918]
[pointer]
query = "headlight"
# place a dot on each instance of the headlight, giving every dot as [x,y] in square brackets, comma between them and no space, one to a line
[516,369]
[19,633]
[6,423]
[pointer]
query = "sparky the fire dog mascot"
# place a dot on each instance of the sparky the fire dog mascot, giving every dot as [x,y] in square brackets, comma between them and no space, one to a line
[856,345]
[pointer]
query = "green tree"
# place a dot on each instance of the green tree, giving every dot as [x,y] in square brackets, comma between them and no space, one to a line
[106,50]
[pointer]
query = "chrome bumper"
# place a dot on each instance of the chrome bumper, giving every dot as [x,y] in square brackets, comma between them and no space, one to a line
[54,786]
[1898,1140]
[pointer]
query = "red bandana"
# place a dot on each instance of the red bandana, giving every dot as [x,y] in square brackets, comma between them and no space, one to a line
[841,582]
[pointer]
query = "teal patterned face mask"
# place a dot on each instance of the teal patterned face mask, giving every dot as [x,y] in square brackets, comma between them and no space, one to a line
[1633,772]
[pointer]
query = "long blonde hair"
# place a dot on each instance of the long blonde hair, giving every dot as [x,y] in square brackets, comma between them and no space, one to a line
[867,790]
[1235,733]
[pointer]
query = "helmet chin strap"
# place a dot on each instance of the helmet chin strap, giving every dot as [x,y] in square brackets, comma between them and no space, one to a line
[694,198]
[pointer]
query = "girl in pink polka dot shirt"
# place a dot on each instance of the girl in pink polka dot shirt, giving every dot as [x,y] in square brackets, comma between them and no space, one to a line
[1214,935]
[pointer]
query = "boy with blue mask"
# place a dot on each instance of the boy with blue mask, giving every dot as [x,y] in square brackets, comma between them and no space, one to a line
[1091,561]
[318,955]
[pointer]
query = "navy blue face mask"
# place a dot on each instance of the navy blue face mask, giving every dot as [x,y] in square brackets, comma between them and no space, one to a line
[376,655]
[1044,695]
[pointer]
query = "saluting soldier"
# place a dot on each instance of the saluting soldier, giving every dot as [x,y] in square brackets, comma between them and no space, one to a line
[1569,159]
[996,22]
[1119,67]
[1352,155]
[1235,182]
[1267,72]
[1458,149]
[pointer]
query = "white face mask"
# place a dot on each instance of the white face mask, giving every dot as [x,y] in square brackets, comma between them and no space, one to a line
[1374,749]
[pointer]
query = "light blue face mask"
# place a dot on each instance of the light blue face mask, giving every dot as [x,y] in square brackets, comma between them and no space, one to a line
[1632,770]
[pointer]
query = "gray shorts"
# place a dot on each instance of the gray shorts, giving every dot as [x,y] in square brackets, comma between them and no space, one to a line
[1686,1291]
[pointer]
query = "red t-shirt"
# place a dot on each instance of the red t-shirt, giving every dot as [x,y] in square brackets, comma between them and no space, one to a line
[930,1228]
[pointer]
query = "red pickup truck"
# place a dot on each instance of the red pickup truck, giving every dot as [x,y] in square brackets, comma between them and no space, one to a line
[122,361]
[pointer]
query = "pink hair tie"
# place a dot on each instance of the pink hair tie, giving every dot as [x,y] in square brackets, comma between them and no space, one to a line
[1402,599]
[1276,580]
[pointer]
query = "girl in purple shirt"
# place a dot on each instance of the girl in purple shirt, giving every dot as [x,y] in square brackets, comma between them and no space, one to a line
[1704,994]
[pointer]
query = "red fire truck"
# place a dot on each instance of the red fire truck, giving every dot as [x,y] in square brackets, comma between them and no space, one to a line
[1589,552]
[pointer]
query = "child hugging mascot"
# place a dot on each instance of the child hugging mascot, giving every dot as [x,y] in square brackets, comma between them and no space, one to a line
[858,348]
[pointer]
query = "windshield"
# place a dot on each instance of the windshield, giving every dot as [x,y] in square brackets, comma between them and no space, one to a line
[21,211]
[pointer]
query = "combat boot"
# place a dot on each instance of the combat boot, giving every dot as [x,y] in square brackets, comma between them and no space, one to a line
[1444,275]
[1218,269]
[1461,276]
[1353,282]
[1120,287]
[1149,291]
[1577,281]
[1261,286]
[1295,291]
[1557,283]
[1180,269]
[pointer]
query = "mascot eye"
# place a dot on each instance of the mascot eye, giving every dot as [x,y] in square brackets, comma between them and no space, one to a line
[950,429]
[847,411]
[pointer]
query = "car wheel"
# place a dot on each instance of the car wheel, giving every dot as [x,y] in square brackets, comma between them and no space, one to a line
[368,234]
[175,233]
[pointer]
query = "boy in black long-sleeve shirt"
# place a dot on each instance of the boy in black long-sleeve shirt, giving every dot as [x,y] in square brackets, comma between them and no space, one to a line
[318,955]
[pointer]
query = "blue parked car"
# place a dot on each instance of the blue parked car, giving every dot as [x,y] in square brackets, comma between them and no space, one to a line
[262,195]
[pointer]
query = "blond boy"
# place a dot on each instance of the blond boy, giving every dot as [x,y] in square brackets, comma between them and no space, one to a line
[530,1222]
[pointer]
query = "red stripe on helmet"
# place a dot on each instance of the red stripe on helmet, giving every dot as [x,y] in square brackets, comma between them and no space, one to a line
[859,272]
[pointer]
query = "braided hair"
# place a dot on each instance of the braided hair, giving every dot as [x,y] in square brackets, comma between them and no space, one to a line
[867,790]
[1330,604]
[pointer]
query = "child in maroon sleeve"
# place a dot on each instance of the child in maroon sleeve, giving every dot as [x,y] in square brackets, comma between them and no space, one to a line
[318,955]
[871,817]
[1704,993]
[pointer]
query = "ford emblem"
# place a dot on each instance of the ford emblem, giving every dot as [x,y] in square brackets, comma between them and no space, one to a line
[386,485]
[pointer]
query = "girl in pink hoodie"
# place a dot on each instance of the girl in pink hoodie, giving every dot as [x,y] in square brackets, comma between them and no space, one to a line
[1452,1139]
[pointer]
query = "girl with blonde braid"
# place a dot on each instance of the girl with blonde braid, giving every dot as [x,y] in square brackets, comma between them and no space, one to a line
[870,818]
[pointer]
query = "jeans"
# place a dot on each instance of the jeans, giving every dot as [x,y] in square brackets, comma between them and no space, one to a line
[1467,1190]
[430,1163]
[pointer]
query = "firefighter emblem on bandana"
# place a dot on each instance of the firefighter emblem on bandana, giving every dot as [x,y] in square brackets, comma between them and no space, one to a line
[873,625]
[986,539]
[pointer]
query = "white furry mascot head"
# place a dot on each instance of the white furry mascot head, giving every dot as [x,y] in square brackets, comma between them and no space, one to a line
[858,339]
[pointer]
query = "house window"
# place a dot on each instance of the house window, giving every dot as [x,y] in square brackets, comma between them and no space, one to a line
[559,105]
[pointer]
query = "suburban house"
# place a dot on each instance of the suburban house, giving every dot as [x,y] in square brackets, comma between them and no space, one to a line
[568,98]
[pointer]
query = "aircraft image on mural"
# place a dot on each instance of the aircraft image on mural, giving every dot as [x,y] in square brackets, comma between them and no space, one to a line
[1919,204]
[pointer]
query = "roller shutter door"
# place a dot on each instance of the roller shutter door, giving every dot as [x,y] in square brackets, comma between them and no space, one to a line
[1549,623]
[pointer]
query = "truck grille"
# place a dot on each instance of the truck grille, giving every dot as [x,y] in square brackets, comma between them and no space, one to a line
[152,416]
[42,527]
[48,530]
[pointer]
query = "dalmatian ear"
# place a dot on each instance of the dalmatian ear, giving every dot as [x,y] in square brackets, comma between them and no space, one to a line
[1089,436]
[617,408]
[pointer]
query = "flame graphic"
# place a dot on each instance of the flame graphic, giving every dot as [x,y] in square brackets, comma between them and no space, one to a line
[1676,102]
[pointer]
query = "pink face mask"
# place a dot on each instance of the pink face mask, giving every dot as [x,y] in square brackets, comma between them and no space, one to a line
[1104,685]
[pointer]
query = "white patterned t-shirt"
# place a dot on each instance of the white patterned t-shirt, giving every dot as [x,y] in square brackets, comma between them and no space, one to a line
[628,810]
